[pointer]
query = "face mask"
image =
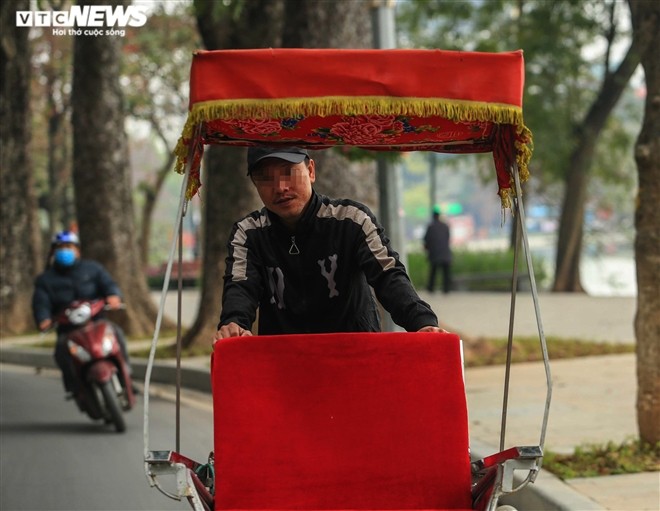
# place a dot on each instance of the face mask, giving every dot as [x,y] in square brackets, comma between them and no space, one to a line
[65,256]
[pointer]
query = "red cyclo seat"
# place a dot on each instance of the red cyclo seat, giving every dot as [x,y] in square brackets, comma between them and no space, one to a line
[340,421]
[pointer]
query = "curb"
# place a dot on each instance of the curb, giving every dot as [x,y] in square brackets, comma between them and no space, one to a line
[548,493]
[163,372]
[37,357]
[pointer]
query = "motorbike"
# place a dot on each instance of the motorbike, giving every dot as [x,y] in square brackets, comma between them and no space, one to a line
[104,389]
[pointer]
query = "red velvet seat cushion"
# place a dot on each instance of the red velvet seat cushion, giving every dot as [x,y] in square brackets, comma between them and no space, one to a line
[340,421]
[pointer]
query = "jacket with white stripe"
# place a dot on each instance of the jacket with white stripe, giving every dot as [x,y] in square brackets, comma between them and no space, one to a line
[317,278]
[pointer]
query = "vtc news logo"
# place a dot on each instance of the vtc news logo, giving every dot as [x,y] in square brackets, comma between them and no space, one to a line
[91,20]
[85,16]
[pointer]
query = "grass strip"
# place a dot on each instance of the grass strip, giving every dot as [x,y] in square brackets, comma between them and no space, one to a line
[483,351]
[593,460]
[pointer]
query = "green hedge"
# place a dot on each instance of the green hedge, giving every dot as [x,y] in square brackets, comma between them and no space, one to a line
[473,264]
[464,264]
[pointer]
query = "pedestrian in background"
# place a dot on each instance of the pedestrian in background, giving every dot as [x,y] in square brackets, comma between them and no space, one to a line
[436,243]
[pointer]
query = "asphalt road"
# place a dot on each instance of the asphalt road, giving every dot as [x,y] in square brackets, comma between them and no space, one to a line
[55,458]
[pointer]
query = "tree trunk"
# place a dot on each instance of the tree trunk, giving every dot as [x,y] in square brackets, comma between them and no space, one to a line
[19,231]
[336,175]
[569,240]
[101,175]
[646,24]
[59,174]
[56,75]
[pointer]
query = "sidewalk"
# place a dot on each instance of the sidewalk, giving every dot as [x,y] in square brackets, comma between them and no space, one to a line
[593,397]
[563,315]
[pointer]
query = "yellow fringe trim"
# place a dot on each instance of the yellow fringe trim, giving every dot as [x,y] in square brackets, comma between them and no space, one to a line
[505,197]
[524,147]
[453,110]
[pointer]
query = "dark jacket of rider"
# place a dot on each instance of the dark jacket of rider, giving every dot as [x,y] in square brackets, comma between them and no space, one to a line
[58,286]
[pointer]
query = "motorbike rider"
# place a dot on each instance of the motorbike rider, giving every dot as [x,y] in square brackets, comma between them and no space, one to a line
[68,278]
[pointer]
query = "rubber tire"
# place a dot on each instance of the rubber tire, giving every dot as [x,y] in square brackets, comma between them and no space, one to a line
[112,406]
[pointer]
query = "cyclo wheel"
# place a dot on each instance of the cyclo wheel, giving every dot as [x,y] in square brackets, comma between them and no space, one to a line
[112,406]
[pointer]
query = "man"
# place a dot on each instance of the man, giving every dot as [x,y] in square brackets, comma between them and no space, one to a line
[436,242]
[307,261]
[68,278]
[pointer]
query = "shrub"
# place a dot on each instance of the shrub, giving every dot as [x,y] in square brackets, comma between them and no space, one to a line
[497,265]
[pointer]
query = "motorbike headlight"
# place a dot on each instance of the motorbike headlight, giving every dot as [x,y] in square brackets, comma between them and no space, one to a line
[77,351]
[80,314]
[108,344]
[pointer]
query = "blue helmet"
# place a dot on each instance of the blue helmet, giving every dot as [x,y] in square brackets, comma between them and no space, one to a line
[63,237]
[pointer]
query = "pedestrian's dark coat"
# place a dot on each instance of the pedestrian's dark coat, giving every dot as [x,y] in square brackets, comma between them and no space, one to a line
[436,242]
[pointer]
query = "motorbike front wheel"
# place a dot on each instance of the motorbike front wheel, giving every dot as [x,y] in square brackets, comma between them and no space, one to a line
[112,406]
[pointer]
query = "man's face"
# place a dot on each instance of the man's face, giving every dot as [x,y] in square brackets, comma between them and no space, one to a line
[285,188]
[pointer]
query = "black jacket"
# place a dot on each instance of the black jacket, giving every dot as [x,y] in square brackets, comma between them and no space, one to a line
[317,278]
[57,287]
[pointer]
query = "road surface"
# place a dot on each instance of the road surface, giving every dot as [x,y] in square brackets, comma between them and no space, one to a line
[55,458]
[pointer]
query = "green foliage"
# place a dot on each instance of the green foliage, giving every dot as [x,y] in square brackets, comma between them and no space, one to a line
[594,460]
[564,61]
[156,65]
[468,263]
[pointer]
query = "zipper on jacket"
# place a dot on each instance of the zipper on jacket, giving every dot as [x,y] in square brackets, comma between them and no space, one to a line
[293,249]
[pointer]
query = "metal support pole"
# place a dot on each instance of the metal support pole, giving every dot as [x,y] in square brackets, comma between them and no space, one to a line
[161,308]
[512,315]
[520,210]
[389,174]
[179,301]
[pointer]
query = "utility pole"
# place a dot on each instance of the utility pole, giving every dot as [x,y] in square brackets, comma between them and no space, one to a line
[433,178]
[389,174]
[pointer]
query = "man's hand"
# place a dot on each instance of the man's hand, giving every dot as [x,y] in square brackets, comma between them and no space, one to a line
[45,324]
[435,329]
[113,301]
[231,330]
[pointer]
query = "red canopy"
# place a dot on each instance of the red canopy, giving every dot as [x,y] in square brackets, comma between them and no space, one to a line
[395,100]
